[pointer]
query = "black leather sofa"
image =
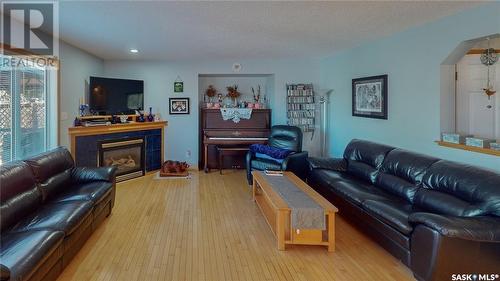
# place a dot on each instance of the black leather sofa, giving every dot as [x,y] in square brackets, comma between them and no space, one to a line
[48,209]
[438,217]
[284,137]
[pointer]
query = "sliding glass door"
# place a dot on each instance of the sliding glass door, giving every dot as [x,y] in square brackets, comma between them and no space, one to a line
[24,107]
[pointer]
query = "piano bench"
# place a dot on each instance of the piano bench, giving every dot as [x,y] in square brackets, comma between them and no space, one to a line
[228,150]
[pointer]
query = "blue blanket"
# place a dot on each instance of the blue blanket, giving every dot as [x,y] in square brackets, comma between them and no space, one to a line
[273,152]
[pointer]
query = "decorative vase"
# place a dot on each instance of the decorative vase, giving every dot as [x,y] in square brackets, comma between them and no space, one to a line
[151,117]
[77,122]
[82,108]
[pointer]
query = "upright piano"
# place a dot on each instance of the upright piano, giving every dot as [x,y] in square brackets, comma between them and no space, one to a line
[216,132]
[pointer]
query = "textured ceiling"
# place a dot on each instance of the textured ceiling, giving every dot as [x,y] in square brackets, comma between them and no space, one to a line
[226,30]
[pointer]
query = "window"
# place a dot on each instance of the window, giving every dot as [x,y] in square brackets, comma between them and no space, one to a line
[27,97]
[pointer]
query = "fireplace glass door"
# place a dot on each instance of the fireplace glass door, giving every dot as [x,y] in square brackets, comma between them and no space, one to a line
[126,155]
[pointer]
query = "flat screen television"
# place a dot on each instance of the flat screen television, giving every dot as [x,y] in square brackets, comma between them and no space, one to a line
[115,96]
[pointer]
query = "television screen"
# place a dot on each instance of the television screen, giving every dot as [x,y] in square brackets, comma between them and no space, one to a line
[115,96]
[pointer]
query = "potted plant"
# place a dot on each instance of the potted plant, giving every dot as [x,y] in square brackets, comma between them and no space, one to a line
[232,92]
[210,92]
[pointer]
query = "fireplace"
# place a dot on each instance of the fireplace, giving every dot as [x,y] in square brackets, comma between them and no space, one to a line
[127,155]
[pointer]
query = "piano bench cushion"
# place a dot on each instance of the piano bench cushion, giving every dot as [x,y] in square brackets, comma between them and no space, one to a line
[265,156]
[261,164]
[273,152]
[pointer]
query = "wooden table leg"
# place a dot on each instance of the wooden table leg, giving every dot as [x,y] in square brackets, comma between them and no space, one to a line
[205,156]
[280,230]
[331,232]
[220,152]
[254,188]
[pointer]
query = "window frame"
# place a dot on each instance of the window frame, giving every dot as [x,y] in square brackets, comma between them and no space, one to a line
[52,102]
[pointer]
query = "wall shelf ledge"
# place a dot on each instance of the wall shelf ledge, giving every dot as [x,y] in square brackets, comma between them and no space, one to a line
[488,151]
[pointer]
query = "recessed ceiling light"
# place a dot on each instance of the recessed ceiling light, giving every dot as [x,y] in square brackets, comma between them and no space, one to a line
[134,51]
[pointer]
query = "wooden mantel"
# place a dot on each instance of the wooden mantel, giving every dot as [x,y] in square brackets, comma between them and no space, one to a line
[115,128]
[75,132]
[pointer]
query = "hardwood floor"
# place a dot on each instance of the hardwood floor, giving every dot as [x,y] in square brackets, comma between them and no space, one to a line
[208,228]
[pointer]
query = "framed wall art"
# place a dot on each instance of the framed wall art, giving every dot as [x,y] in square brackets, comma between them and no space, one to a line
[178,85]
[369,97]
[178,106]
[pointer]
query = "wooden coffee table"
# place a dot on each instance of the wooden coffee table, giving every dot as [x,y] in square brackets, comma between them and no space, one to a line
[278,214]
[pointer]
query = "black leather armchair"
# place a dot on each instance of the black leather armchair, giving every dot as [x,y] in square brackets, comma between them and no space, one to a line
[285,137]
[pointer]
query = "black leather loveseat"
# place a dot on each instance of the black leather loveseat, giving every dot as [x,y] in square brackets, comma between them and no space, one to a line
[48,210]
[438,217]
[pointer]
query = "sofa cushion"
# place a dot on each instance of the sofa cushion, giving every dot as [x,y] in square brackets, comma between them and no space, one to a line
[52,170]
[407,165]
[364,158]
[443,203]
[393,213]
[262,164]
[63,216]
[24,252]
[94,191]
[460,189]
[402,171]
[334,164]
[397,186]
[19,194]
[330,176]
[358,191]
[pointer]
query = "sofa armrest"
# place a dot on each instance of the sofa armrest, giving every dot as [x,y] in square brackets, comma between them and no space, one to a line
[86,174]
[334,164]
[4,273]
[469,228]
[296,163]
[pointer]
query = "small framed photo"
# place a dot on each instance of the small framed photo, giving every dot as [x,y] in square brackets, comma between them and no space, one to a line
[178,106]
[178,87]
[369,97]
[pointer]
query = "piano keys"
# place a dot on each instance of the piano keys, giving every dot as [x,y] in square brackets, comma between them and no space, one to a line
[214,131]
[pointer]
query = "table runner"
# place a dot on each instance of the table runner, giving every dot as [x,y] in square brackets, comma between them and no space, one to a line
[306,213]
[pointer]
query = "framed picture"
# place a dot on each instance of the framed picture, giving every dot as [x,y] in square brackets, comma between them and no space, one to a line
[178,106]
[178,87]
[369,97]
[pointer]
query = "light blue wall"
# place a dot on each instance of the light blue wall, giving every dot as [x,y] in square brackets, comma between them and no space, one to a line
[412,60]
[182,130]
[76,68]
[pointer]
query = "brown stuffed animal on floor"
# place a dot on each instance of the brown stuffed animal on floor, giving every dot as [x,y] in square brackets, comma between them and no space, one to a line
[171,166]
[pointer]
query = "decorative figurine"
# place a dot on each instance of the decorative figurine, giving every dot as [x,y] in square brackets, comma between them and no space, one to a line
[141,117]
